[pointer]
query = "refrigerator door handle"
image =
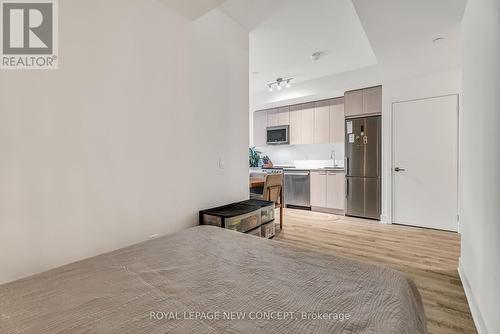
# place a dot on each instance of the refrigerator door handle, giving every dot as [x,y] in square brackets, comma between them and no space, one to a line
[346,188]
[347,165]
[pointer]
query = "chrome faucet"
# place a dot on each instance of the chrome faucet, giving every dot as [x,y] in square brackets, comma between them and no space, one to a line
[333,157]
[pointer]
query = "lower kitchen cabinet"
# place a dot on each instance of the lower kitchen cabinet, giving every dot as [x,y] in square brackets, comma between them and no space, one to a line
[335,191]
[328,191]
[318,189]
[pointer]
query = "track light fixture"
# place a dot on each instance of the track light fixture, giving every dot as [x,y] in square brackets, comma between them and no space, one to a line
[279,83]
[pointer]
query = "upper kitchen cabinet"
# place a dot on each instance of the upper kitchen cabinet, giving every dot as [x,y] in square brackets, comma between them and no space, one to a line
[318,122]
[372,101]
[322,122]
[272,117]
[353,103]
[363,102]
[259,128]
[307,124]
[296,124]
[337,120]
[277,117]
[284,116]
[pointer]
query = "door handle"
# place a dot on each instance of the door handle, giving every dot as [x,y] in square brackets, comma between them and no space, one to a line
[397,169]
[346,188]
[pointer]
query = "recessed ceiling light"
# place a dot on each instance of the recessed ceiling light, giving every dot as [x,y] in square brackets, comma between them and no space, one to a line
[317,55]
[437,39]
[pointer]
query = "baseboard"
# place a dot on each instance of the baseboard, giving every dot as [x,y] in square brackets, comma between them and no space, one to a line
[384,219]
[474,309]
[327,210]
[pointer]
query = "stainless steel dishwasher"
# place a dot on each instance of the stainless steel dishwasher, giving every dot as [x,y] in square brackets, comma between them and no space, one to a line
[297,188]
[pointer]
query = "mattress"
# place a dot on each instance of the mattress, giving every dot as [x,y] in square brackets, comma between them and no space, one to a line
[210,280]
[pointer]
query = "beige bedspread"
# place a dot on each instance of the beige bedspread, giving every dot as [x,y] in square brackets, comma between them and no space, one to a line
[210,280]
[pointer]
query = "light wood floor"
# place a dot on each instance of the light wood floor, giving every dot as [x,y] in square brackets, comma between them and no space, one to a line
[429,257]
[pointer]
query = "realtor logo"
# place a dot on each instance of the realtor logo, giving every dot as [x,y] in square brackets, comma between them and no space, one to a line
[29,36]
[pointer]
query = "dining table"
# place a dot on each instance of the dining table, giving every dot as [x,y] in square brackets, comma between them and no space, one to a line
[256,182]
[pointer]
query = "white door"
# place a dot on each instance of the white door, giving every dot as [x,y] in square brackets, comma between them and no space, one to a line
[425,163]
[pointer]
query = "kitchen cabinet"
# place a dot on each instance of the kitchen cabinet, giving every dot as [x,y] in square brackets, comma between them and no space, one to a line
[322,122]
[337,121]
[363,102]
[277,117]
[335,191]
[310,123]
[318,189]
[307,123]
[372,101]
[259,128]
[295,125]
[353,103]
[328,191]
[272,117]
[284,116]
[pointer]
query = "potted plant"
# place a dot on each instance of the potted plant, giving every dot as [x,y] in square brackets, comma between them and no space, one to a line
[254,157]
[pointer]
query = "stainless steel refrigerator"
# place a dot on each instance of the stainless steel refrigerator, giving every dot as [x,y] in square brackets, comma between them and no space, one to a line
[363,167]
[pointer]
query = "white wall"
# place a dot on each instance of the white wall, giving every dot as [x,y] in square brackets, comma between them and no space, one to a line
[121,142]
[480,161]
[404,89]
[287,154]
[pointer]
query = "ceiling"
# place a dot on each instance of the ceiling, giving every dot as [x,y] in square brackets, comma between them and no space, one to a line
[251,13]
[284,35]
[192,9]
[395,35]
[401,34]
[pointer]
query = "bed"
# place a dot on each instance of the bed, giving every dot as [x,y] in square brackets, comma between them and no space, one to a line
[210,280]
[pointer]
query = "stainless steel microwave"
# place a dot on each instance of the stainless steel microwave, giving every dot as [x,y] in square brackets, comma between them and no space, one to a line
[278,135]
